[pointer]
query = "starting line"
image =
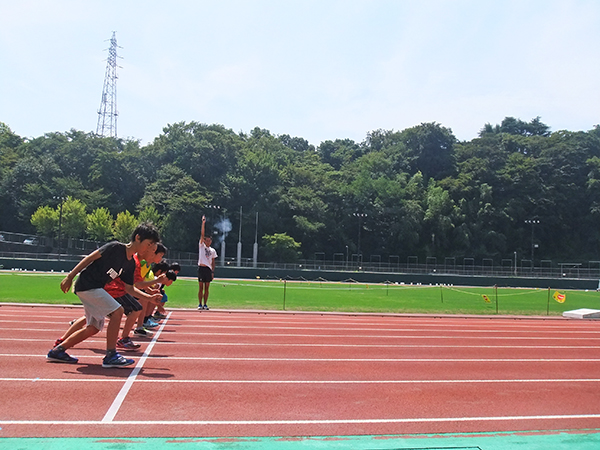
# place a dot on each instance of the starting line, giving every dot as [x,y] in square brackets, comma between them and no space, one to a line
[120,398]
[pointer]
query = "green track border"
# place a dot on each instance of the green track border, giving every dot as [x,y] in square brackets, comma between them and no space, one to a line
[559,440]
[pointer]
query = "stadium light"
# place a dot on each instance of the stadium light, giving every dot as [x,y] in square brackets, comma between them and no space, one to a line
[360,217]
[533,223]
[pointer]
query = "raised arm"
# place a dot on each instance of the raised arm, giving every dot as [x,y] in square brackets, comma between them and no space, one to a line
[202,228]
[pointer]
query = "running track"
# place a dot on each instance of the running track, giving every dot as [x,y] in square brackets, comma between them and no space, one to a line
[224,374]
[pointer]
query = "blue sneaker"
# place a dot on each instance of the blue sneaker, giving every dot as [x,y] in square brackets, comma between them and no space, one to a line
[116,360]
[60,357]
[150,324]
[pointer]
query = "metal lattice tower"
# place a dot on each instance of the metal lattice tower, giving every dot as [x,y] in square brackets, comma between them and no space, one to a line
[107,114]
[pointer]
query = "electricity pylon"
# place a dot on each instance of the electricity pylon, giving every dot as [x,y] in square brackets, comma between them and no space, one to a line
[107,114]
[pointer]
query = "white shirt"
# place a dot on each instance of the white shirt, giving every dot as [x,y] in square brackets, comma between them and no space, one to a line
[206,255]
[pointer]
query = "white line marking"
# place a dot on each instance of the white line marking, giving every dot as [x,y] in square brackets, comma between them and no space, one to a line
[566,380]
[387,336]
[192,358]
[114,408]
[456,321]
[448,324]
[396,346]
[532,380]
[517,334]
[454,360]
[300,422]
[462,338]
[65,380]
[402,329]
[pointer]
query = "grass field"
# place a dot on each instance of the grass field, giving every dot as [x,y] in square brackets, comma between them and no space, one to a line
[32,287]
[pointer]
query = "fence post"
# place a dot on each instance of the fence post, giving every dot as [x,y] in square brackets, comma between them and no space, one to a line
[496,290]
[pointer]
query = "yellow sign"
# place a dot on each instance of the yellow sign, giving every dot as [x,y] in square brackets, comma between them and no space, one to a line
[560,298]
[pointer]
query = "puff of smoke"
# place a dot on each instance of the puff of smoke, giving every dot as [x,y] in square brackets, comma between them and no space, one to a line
[223,227]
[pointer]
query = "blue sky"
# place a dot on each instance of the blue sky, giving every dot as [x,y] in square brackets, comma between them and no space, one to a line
[314,69]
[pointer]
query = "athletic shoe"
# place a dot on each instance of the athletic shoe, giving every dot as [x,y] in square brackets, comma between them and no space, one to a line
[142,332]
[150,324]
[60,357]
[58,342]
[128,340]
[127,345]
[159,316]
[206,307]
[200,308]
[116,360]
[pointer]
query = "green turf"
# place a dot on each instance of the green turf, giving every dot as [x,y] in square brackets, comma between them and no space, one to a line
[31,287]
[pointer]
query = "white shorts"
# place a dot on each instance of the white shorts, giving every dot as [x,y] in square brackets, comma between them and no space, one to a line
[97,304]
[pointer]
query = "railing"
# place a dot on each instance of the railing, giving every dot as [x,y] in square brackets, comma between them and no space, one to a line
[590,270]
[23,246]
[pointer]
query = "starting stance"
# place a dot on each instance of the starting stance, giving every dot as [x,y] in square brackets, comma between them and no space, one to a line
[112,260]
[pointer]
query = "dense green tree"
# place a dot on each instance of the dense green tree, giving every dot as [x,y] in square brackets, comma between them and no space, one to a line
[340,152]
[179,200]
[413,192]
[74,218]
[430,150]
[206,152]
[438,219]
[150,214]
[100,225]
[45,220]
[124,226]
[511,125]
[280,247]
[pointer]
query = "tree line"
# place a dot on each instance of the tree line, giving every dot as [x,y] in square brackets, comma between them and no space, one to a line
[516,187]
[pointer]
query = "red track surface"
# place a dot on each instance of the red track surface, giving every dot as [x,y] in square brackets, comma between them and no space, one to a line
[249,374]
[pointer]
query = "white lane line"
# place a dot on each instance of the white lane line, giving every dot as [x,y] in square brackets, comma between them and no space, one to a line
[447,324]
[458,330]
[565,380]
[369,360]
[303,422]
[386,336]
[446,329]
[359,360]
[172,381]
[366,336]
[63,380]
[116,405]
[395,346]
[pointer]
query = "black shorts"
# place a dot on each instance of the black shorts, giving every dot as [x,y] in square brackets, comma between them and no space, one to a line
[205,274]
[129,304]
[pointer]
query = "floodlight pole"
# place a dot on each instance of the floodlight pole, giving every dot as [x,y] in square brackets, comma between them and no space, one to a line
[360,217]
[255,249]
[62,200]
[533,222]
[239,246]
